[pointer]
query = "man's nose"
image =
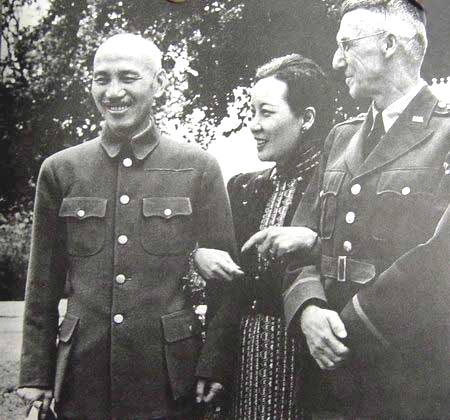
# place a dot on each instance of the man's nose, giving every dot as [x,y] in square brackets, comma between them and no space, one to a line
[115,90]
[338,59]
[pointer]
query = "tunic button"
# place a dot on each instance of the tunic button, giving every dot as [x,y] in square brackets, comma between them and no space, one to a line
[356,189]
[122,239]
[350,217]
[127,162]
[406,190]
[124,199]
[167,212]
[81,213]
[446,165]
[118,318]
[190,327]
[120,278]
[447,172]
[347,246]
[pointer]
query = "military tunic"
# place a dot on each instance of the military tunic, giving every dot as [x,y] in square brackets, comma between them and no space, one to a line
[114,223]
[370,213]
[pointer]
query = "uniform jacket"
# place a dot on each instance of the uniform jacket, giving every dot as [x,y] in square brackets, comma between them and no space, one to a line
[115,226]
[370,214]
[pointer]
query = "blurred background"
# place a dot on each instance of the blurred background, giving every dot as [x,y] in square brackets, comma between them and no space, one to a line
[211,51]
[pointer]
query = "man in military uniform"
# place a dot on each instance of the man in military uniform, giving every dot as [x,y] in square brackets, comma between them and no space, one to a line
[116,219]
[374,311]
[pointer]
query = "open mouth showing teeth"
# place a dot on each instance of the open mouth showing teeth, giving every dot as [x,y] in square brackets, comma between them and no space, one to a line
[117,108]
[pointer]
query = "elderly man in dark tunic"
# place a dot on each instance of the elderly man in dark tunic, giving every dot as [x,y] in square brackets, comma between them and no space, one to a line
[374,311]
[116,219]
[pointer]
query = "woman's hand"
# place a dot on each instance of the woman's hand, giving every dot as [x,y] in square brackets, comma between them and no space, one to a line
[207,391]
[214,264]
[278,241]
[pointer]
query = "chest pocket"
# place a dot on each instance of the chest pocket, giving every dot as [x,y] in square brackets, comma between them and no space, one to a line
[166,225]
[404,201]
[85,224]
[332,182]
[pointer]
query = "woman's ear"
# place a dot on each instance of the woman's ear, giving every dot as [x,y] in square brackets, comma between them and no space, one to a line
[309,116]
[161,83]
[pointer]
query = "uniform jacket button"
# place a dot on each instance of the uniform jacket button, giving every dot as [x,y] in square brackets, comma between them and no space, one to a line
[118,318]
[127,162]
[350,217]
[81,213]
[356,189]
[406,190]
[122,239]
[120,278]
[167,212]
[124,199]
[347,246]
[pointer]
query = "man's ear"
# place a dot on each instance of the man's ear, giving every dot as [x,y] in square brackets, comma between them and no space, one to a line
[161,83]
[309,116]
[390,45]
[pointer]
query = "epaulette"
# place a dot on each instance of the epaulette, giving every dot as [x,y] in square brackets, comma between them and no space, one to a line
[353,120]
[442,108]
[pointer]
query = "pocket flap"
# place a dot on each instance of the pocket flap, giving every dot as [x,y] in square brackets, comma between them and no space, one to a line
[409,181]
[83,207]
[332,181]
[180,325]
[67,327]
[167,207]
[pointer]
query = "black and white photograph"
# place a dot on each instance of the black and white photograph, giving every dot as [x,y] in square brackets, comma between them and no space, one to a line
[224,209]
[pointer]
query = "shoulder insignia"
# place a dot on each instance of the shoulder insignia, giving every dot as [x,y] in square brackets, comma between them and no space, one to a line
[354,120]
[442,108]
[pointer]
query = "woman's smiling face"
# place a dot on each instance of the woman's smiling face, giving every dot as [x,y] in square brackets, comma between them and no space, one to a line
[275,127]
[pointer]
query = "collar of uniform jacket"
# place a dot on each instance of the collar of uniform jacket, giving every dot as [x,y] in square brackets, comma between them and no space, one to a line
[141,144]
[394,110]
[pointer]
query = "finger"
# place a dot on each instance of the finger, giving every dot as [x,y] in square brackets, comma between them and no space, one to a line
[337,326]
[200,390]
[255,239]
[265,248]
[213,391]
[334,349]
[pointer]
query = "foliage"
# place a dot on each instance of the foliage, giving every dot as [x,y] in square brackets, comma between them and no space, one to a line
[211,51]
[15,232]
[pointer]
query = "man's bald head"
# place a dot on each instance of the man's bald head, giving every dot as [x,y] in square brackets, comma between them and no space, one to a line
[134,46]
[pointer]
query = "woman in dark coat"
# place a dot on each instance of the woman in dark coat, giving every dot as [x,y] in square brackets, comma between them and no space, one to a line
[291,116]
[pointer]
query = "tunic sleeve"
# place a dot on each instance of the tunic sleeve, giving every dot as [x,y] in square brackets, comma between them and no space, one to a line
[45,285]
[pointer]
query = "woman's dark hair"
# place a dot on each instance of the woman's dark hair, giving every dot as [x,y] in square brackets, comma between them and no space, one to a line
[307,85]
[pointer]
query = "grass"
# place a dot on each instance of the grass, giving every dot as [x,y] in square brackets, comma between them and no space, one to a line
[11,406]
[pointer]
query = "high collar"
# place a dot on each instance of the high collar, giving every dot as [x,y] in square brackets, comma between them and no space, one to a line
[304,163]
[141,144]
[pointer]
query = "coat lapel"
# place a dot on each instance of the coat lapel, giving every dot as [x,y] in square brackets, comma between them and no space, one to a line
[353,153]
[410,129]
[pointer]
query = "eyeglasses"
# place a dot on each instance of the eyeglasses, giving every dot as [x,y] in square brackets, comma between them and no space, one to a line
[345,44]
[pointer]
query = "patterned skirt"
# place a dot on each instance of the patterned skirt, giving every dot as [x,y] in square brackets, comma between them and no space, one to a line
[264,381]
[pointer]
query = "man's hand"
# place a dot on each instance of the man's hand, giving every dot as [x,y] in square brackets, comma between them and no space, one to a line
[33,396]
[216,264]
[214,388]
[277,241]
[323,330]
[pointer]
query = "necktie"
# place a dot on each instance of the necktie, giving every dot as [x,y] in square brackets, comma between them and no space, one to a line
[374,136]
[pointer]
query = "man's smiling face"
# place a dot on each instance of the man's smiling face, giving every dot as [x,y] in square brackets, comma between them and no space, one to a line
[123,87]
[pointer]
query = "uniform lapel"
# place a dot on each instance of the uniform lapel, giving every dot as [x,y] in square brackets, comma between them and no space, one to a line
[353,153]
[410,129]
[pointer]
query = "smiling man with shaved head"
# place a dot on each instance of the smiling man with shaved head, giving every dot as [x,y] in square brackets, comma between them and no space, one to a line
[116,219]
